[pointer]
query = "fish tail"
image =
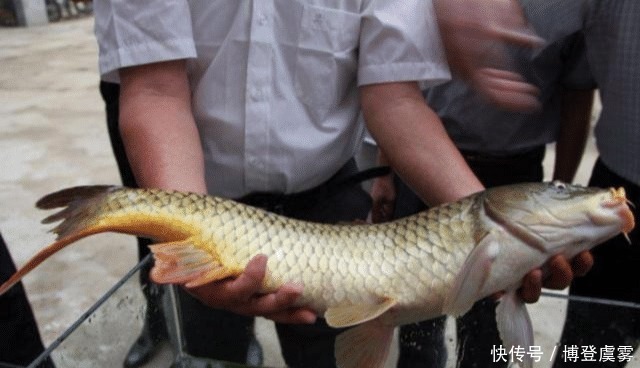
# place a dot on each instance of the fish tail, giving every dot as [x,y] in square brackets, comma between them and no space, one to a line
[80,218]
[81,207]
[162,216]
[39,258]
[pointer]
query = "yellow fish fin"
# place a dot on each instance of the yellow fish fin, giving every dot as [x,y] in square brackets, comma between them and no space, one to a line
[42,255]
[182,262]
[472,277]
[350,315]
[366,345]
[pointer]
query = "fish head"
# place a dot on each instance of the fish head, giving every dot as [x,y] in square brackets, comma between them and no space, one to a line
[560,218]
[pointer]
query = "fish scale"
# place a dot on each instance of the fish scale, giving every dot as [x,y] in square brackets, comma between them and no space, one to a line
[373,277]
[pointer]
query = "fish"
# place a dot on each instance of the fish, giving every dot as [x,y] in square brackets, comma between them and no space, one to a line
[365,278]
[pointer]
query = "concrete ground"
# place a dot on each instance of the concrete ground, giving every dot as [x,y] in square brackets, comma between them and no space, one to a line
[53,135]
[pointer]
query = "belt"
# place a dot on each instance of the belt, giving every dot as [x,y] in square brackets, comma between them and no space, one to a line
[346,177]
[534,154]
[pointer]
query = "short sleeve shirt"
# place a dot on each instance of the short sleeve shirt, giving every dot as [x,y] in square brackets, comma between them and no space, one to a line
[275,82]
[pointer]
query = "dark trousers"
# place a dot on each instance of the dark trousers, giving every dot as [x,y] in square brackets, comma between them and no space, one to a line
[614,276]
[20,342]
[423,344]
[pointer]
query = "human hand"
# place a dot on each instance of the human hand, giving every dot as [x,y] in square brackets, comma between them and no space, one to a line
[558,274]
[383,194]
[241,295]
[473,34]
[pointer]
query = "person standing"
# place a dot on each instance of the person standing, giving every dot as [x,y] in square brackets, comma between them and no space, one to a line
[501,147]
[611,31]
[258,101]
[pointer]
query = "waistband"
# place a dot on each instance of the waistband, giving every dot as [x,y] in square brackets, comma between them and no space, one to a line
[347,176]
[533,154]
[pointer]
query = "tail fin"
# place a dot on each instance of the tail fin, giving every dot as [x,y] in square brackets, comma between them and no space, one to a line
[78,215]
[79,203]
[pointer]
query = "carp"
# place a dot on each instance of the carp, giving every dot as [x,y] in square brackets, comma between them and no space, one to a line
[368,278]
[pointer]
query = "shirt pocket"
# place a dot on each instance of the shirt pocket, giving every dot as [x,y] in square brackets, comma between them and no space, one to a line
[326,57]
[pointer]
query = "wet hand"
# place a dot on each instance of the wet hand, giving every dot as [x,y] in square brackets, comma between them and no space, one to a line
[558,274]
[241,295]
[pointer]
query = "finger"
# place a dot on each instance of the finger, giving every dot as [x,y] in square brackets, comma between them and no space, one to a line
[501,74]
[385,213]
[506,81]
[582,263]
[507,91]
[520,36]
[280,300]
[531,287]
[377,212]
[561,274]
[229,293]
[510,101]
[249,282]
[381,212]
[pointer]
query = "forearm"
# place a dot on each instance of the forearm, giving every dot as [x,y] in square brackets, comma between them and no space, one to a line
[412,138]
[573,132]
[158,129]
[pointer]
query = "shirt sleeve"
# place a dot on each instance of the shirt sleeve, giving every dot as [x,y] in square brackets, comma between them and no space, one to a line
[141,32]
[400,41]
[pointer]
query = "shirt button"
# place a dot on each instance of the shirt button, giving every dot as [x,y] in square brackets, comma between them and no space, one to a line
[318,19]
[255,95]
[254,162]
[262,19]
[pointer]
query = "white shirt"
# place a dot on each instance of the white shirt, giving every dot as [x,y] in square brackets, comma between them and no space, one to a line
[274,82]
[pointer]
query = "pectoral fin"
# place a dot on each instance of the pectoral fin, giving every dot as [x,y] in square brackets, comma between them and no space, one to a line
[182,262]
[471,279]
[366,345]
[350,315]
[514,325]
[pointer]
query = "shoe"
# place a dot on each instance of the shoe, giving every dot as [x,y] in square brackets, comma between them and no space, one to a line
[143,349]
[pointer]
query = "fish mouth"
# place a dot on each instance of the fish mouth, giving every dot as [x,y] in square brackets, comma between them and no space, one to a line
[616,208]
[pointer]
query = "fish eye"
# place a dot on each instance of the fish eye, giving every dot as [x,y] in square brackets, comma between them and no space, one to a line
[558,185]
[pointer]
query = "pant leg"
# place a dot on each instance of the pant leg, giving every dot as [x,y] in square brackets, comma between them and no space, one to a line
[478,336]
[20,342]
[423,344]
[213,333]
[614,276]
